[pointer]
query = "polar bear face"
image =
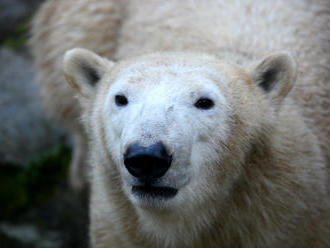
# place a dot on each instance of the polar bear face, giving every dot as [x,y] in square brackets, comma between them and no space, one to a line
[168,117]
[175,126]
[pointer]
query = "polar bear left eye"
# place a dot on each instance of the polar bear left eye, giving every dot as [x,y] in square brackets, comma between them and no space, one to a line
[121,100]
[204,103]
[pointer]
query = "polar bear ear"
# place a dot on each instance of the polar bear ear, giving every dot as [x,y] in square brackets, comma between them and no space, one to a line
[275,75]
[83,69]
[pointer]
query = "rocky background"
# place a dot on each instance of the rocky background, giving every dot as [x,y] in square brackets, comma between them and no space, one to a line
[37,207]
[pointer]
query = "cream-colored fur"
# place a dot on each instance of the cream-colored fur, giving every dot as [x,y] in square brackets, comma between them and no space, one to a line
[250,173]
[56,28]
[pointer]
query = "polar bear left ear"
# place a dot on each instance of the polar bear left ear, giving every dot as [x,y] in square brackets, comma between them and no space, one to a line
[83,69]
[275,75]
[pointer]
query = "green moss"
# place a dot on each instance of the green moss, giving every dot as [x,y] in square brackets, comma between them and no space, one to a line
[24,188]
[12,191]
[19,37]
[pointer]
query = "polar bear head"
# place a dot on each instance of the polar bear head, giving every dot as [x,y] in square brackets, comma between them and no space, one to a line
[176,127]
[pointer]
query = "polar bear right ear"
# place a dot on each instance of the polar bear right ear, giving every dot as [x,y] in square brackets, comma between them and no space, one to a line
[83,69]
[275,75]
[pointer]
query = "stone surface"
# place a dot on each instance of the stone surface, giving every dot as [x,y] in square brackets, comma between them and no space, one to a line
[13,13]
[24,130]
[30,236]
[38,208]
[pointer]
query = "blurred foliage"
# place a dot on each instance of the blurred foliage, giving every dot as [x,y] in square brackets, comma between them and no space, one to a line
[22,188]
[18,39]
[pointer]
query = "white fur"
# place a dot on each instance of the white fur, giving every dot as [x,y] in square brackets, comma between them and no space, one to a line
[160,109]
[250,172]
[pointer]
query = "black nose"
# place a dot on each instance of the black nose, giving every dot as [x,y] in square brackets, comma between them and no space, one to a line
[147,162]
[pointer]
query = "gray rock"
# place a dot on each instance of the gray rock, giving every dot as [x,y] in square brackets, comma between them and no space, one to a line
[24,130]
[30,236]
[14,13]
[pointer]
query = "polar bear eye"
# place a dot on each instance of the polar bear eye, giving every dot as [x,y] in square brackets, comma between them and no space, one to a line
[121,100]
[204,103]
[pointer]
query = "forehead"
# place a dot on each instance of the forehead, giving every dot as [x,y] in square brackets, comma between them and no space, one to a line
[144,74]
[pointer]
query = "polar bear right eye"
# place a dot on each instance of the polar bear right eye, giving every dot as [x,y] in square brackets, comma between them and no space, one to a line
[204,103]
[121,100]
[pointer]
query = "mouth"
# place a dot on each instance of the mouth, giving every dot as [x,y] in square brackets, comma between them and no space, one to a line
[154,192]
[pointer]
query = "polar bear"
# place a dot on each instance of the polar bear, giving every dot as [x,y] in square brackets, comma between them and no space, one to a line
[200,133]
[238,31]
[191,151]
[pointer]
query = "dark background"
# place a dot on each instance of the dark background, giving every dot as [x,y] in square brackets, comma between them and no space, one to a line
[37,207]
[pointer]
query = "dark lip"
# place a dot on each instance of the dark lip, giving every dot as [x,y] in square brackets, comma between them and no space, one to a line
[154,192]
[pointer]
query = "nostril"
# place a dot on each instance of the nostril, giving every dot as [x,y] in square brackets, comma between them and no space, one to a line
[147,162]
